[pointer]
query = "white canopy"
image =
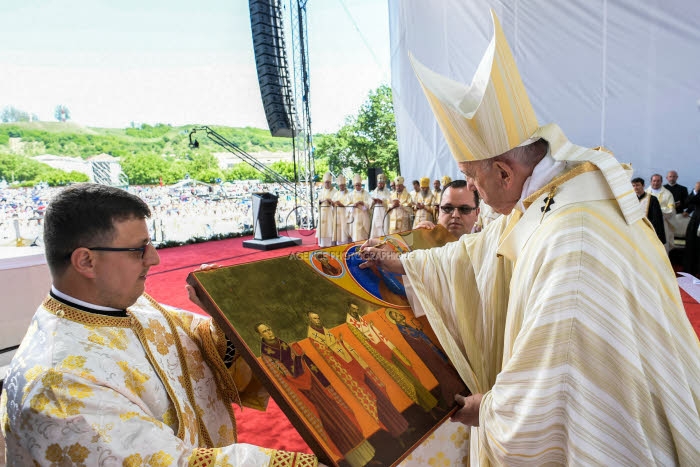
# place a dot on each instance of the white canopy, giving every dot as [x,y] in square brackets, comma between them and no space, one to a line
[622,74]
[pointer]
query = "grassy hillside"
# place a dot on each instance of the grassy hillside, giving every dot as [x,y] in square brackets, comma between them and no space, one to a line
[148,154]
[69,139]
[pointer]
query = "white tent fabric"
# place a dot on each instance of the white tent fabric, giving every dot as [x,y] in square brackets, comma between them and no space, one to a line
[624,74]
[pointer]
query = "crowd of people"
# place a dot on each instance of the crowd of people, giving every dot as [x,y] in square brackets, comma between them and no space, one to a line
[179,212]
[562,316]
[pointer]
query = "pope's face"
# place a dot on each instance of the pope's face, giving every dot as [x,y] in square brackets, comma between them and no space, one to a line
[486,181]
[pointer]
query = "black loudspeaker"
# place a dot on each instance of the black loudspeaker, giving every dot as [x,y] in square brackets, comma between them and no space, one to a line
[264,208]
[372,174]
[271,62]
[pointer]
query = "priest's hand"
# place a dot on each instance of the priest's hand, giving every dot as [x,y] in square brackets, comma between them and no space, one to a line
[376,253]
[191,293]
[468,414]
[425,225]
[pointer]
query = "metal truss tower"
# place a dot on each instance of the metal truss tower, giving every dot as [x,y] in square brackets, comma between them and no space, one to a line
[302,139]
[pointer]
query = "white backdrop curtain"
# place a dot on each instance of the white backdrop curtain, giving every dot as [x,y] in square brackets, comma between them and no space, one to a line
[624,74]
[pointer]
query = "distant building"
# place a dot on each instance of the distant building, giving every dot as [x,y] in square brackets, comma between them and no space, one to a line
[107,170]
[67,164]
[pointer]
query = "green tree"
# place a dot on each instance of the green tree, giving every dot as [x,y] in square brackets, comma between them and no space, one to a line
[10,115]
[366,140]
[144,169]
[242,171]
[55,177]
[205,167]
[15,167]
[61,113]
[284,168]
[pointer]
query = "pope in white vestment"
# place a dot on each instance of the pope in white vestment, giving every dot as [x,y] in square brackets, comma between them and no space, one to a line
[564,314]
[148,388]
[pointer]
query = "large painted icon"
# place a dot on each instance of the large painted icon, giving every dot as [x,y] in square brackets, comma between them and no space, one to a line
[338,348]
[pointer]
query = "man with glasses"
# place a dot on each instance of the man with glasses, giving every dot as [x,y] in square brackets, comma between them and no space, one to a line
[458,211]
[105,372]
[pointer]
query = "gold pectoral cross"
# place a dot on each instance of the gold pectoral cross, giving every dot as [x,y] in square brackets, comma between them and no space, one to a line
[548,201]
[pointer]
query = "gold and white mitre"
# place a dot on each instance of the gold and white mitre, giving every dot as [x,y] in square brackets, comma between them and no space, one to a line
[494,115]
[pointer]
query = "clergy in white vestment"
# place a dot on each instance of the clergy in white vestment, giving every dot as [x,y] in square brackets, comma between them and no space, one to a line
[437,192]
[361,202]
[105,374]
[423,202]
[400,208]
[380,199]
[344,211]
[563,316]
[668,207]
[326,212]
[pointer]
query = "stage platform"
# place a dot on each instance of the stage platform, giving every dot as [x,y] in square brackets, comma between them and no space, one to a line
[272,243]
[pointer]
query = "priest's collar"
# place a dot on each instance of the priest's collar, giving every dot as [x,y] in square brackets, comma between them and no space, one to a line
[85,306]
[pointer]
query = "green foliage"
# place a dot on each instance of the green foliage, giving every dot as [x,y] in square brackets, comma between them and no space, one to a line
[147,153]
[61,113]
[367,140]
[14,167]
[27,171]
[242,171]
[284,168]
[147,131]
[11,114]
[55,177]
[145,169]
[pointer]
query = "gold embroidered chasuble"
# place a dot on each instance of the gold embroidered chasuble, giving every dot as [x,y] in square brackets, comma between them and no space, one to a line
[400,216]
[569,319]
[428,212]
[147,389]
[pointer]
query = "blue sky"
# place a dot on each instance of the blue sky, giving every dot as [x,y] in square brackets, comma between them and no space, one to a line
[179,62]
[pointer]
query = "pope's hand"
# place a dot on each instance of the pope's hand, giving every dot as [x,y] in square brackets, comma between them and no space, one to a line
[468,414]
[376,253]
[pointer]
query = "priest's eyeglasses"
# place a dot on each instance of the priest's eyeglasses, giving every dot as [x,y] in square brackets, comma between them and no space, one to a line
[141,249]
[463,210]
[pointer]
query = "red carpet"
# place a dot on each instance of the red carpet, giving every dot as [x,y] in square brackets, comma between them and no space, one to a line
[166,283]
[692,309]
